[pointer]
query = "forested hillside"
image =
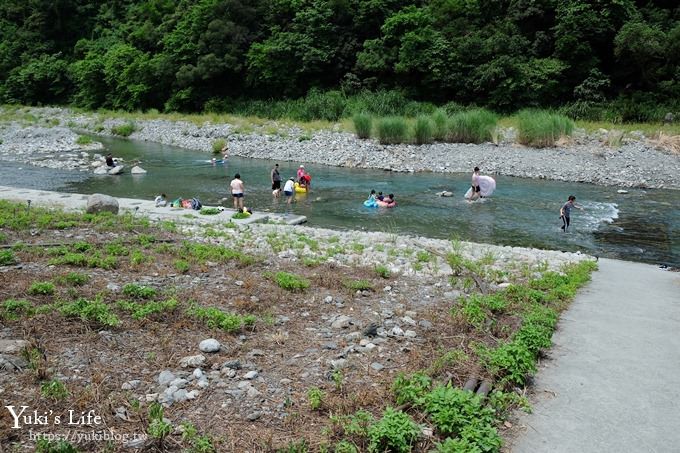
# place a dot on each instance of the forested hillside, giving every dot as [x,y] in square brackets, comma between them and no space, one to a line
[194,55]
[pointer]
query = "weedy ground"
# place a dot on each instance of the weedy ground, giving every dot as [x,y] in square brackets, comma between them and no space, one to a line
[102,300]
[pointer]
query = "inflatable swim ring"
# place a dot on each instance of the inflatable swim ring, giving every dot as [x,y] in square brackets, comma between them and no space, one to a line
[486,187]
[299,188]
[370,204]
[385,204]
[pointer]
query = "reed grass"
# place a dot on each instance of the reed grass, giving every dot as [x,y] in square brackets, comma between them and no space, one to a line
[422,130]
[363,125]
[472,126]
[542,128]
[392,130]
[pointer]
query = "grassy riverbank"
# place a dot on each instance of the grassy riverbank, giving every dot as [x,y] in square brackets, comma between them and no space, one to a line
[340,357]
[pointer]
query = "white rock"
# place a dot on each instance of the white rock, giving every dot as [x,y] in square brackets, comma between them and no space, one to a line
[101,203]
[410,334]
[341,322]
[193,361]
[198,373]
[251,375]
[137,170]
[101,170]
[209,345]
[118,169]
[166,377]
[396,331]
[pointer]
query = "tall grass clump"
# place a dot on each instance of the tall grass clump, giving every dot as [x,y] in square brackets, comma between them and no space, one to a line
[363,124]
[440,122]
[217,145]
[392,129]
[472,126]
[542,128]
[422,130]
[124,130]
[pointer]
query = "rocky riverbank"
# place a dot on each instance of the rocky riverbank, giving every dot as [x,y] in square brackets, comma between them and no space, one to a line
[636,163]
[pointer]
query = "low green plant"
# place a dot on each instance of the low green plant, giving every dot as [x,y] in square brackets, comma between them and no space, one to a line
[139,292]
[411,390]
[199,444]
[541,128]
[447,360]
[116,249]
[423,256]
[291,282]
[75,278]
[209,211]
[54,390]
[146,240]
[142,310]
[90,310]
[338,379]
[7,258]
[315,396]
[157,427]
[216,318]
[453,409]
[504,402]
[363,125]
[512,362]
[382,271]
[240,215]
[423,130]
[124,130]
[44,445]
[472,126]
[395,432]
[137,258]
[41,288]
[181,266]
[84,140]
[358,285]
[12,309]
[345,446]
[392,130]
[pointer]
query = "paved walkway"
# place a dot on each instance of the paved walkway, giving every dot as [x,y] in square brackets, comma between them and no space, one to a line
[147,208]
[613,381]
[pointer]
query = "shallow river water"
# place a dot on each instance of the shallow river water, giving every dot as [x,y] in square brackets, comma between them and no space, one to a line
[642,225]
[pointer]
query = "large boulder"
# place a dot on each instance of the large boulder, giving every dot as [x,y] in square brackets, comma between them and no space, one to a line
[101,170]
[101,203]
[118,169]
[137,170]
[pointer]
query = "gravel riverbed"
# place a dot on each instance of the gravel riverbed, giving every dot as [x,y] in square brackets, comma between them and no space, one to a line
[51,141]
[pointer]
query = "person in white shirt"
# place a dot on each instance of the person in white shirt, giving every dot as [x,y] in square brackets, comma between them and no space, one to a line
[237,190]
[288,189]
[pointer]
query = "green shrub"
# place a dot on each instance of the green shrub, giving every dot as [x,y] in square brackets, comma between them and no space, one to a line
[41,288]
[440,121]
[392,130]
[472,126]
[217,145]
[315,396]
[139,292]
[423,130]
[83,140]
[13,309]
[54,389]
[209,211]
[394,432]
[158,428]
[123,130]
[240,215]
[6,258]
[542,128]
[345,447]
[363,125]
[90,310]
[411,390]
[382,271]
[291,282]
[116,249]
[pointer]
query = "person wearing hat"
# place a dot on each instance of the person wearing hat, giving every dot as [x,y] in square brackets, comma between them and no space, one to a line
[300,173]
[288,189]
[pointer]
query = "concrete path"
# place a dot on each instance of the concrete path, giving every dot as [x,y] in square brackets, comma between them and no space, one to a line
[146,208]
[612,383]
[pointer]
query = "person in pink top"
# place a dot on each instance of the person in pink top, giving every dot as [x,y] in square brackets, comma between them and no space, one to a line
[300,173]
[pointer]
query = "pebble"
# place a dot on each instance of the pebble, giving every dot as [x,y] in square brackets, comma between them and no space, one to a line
[129,385]
[396,331]
[209,345]
[166,377]
[341,322]
[251,375]
[233,364]
[377,366]
[254,416]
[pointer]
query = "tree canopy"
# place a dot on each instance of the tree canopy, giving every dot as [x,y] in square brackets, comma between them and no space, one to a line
[186,54]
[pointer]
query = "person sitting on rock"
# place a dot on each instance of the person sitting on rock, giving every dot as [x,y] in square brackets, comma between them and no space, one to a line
[161,200]
[109,160]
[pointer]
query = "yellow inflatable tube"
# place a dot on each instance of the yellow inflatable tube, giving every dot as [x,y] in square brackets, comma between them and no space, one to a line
[299,188]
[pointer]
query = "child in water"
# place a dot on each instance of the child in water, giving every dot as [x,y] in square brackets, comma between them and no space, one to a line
[371,197]
[380,196]
[565,211]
